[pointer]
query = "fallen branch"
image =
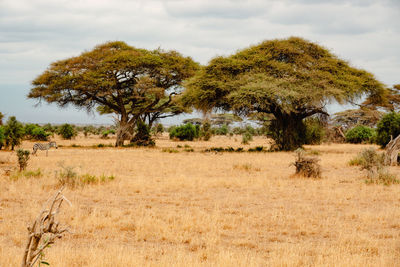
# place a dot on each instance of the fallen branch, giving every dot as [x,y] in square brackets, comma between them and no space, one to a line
[45,228]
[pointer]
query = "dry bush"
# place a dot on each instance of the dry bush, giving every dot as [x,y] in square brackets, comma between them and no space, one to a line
[373,162]
[307,166]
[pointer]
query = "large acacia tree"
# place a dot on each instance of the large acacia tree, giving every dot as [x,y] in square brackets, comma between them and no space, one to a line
[114,77]
[290,79]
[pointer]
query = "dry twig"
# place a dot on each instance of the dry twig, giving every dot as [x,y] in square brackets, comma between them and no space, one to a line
[45,228]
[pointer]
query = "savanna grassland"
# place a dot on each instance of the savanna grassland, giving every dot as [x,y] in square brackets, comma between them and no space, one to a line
[170,207]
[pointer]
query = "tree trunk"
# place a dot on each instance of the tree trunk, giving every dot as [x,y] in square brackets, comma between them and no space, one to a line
[123,132]
[392,152]
[288,132]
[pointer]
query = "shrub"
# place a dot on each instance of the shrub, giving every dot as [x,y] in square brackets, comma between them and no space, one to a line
[360,134]
[159,128]
[143,135]
[373,162]
[388,127]
[307,166]
[67,131]
[2,137]
[23,157]
[14,131]
[206,131]
[185,132]
[28,129]
[40,134]
[246,138]
[315,132]
[49,128]
[223,130]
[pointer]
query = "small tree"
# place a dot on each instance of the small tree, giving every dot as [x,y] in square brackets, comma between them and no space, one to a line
[23,157]
[159,128]
[206,130]
[14,131]
[67,131]
[2,137]
[1,118]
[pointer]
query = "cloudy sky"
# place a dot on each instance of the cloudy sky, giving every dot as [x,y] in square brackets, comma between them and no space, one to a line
[34,33]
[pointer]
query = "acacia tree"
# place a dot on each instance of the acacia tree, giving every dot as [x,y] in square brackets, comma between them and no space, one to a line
[291,79]
[116,78]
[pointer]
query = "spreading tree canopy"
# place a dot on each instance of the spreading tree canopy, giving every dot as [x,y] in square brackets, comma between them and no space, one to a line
[291,79]
[135,84]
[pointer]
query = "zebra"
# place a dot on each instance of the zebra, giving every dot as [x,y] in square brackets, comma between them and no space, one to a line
[43,147]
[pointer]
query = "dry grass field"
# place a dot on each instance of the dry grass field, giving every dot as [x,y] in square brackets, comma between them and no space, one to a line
[203,209]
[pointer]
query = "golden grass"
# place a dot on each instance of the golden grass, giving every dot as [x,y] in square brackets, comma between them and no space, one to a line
[204,209]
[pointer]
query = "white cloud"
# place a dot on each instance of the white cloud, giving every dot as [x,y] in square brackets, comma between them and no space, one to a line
[35,33]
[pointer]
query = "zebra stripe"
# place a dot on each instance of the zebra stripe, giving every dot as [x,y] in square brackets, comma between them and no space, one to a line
[46,147]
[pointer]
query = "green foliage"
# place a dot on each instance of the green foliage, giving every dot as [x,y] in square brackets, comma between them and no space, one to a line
[14,131]
[388,127]
[247,137]
[23,157]
[2,137]
[185,132]
[290,79]
[170,150]
[69,177]
[159,128]
[360,134]
[315,132]
[1,118]
[143,135]
[27,174]
[35,132]
[106,132]
[40,134]
[206,132]
[67,131]
[222,130]
[49,128]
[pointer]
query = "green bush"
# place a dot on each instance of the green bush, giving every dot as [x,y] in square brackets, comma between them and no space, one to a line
[315,132]
[28,129]
[143,135]
[223,130]
[2,137]
[67,131]
[23,157]
[360,134]
[388,127]
[159,129]
[206,131]
[185,132]
[247,137]
[14,131]
[40,134]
